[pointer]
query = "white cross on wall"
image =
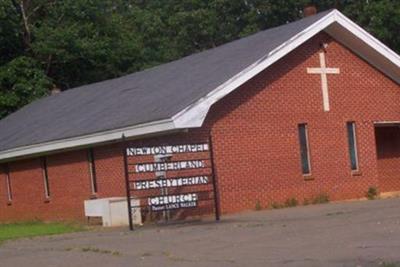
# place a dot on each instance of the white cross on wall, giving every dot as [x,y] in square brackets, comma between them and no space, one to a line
[323,71]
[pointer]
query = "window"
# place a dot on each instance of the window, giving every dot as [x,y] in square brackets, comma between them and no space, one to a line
[8,182]
[45,177]
[92,171]
[304,149]
[351,134]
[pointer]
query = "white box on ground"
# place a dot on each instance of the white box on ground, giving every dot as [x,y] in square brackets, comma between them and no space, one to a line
[113,210]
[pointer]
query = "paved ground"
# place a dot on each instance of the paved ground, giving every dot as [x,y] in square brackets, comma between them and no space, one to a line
[363,233]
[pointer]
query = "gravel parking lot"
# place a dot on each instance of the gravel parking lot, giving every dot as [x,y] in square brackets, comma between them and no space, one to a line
[365,233]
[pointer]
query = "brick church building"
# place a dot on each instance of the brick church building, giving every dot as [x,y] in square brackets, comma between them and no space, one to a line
[305,109]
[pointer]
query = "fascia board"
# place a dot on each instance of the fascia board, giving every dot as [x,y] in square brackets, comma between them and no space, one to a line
[101,137]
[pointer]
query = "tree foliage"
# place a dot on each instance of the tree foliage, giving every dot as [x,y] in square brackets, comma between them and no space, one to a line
[22,81]
[47,43]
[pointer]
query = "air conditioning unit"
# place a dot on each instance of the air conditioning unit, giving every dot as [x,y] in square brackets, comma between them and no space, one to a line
[113,211]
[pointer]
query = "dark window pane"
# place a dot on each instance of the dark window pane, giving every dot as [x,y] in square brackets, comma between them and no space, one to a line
[304,153]
[92,168]
[352,145]
[45,177]
[8,182]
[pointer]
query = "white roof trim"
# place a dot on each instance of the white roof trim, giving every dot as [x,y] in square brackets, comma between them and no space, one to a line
[195,114]
[101,137]
[387,123]
[367,38]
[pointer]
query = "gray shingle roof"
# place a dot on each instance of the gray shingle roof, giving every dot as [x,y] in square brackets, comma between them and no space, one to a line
[150,95]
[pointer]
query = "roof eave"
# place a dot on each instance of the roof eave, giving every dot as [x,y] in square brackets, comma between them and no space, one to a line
[144,129]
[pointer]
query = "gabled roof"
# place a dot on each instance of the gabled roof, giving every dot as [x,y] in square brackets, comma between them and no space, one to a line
[172,96]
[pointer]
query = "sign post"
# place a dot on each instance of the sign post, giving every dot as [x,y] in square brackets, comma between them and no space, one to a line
[177,180]
[214,180]
[128,191]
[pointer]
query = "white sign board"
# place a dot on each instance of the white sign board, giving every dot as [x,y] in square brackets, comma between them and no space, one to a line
[169,166]
[173,201]
[163,150]
[170,182]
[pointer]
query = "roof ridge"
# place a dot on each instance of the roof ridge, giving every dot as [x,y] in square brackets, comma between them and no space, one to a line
[198,53]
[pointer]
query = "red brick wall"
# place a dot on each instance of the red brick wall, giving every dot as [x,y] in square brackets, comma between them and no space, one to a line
[109,171]
[3,194]
[256,130]
[256,147]
[388,152]
[69,182]
[27,190]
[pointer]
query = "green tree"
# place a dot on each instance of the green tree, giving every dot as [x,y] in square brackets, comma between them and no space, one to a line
[68,43]
[380,18]
[85,41]
[21,81]
[10,38]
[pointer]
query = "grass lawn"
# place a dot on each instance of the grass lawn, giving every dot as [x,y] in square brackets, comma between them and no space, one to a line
[31,229]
